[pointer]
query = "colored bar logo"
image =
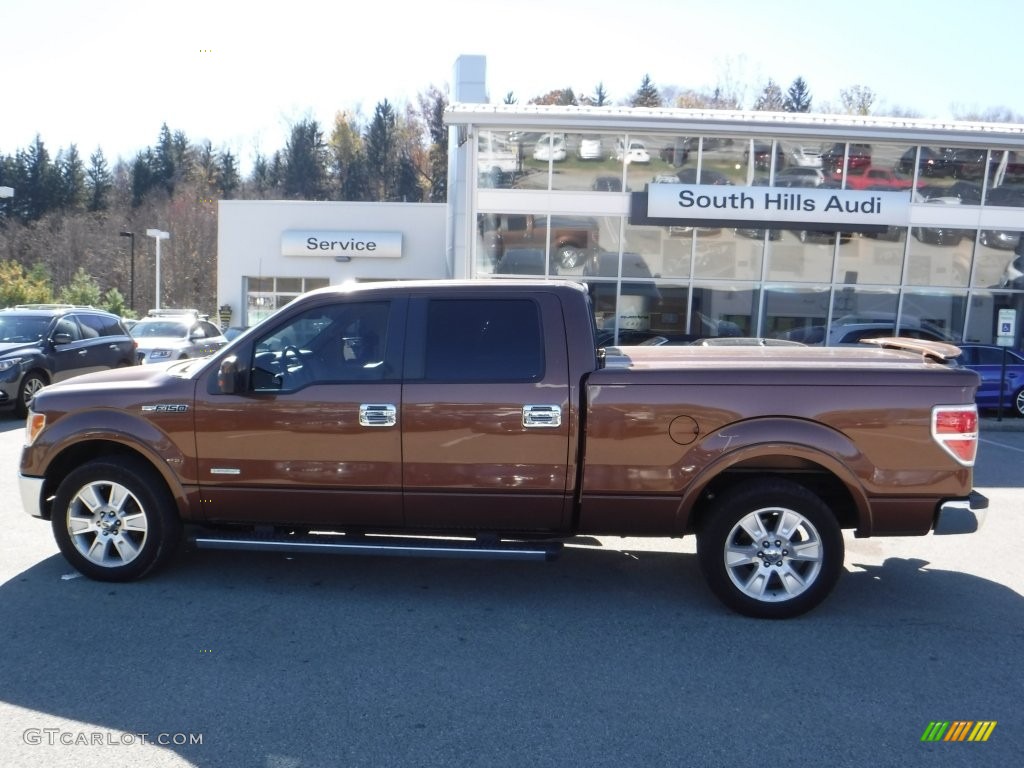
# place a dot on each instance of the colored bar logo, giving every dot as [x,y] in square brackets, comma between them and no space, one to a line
[958,730]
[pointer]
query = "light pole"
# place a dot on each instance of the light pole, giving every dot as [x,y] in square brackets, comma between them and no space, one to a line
[158,235]
[131,279]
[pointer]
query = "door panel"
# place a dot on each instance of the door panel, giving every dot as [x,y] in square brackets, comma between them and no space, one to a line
[472,457]
[294,439]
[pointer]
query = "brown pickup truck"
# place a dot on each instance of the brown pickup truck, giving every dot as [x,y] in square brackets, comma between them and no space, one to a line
[477,419]
[572,238]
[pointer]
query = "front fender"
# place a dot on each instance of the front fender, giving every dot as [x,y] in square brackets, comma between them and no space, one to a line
[776,445]
[83,435]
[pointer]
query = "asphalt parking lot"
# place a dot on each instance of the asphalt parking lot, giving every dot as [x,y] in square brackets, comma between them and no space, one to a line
[614,655]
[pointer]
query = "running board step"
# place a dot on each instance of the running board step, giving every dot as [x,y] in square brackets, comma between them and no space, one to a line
[398,546]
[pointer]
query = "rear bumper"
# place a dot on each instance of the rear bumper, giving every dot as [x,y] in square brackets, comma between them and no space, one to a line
[961,515]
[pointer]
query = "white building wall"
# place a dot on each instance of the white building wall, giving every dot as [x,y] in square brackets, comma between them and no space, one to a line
[249,236]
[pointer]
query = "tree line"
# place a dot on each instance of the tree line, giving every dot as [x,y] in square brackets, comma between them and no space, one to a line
[69,232]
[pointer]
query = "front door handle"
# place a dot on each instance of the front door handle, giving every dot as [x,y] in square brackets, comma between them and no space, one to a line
[377,415]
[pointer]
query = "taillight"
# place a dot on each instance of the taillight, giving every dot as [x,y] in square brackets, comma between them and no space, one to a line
[955,428]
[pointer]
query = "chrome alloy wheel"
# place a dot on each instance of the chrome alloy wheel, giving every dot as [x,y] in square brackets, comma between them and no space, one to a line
[773,554]
[107,524]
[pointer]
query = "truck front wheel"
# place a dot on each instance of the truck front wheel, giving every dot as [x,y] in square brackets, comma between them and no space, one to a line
[114,520]
[770,549]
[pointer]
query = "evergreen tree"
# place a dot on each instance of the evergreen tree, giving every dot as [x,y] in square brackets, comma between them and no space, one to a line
[228,179]
[381,156]
[305,164]
[144,176]
[71,170]
[646,95]
[798,97]
[770,99]
[98,182]
[510,98]
[38,192]
[83,290]
[164,166]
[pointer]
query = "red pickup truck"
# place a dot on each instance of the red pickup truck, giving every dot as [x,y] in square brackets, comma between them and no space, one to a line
[478,419]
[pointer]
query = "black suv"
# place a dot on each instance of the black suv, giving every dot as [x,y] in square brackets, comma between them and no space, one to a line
[44,343]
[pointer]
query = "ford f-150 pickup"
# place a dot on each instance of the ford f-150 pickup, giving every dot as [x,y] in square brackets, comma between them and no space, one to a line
[478,419]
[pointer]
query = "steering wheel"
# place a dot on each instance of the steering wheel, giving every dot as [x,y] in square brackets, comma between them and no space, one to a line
[292,353]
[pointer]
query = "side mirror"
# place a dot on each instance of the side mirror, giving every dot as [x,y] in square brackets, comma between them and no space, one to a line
[61,338]
[229,376]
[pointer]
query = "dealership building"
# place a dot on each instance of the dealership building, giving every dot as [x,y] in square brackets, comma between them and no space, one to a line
[684,223]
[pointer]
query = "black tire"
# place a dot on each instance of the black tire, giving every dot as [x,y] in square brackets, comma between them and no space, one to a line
[114,519]
[31,384]
[1018,403]
[791,570]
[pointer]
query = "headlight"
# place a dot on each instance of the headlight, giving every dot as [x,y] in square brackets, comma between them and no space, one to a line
[158,354]
[10,362]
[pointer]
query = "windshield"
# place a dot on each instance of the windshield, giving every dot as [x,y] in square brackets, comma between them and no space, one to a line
[164,328]
[22,329]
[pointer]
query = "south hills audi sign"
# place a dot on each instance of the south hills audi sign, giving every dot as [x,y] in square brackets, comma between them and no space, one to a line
[803,208]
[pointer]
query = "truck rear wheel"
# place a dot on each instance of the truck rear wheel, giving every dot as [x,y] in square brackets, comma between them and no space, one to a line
[114,520]
[770,549]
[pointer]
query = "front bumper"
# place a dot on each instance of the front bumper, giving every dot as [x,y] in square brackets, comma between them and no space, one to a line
[31,494]
[961,515]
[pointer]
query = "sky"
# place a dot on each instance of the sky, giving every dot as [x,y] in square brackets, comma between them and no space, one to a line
[110,73]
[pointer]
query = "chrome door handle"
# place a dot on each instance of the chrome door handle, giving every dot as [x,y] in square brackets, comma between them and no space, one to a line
[377,415]
[542,415]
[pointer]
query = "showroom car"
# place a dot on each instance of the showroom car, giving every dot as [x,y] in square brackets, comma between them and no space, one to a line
[175,335]
[44,343]
[988,360]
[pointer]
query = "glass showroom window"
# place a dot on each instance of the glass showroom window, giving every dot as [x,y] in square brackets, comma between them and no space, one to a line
[797,313]
[587,162]
[939,256]
[499,158]
[540,244]
[983,316]
[265,295]
[933,314]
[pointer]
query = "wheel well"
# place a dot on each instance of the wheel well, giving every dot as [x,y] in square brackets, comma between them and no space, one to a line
[40,372]
[75,456]
[811,476]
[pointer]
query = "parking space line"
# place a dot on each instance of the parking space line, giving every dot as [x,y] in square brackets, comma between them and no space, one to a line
[1001,445]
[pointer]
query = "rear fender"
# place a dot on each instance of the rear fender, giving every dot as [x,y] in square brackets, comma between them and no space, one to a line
[770,444]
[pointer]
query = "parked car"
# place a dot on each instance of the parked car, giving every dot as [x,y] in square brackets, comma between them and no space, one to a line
[44,343]
[832,158]
[876,177]
[522,261]
[550,146]
[854,330]
[805,157]
[689,176]
[987,360]
[939,235]
[763,156]
[607,184]
[636,152]
[799,176]
[929,163]
[589,149]
[1013,275]
[175,335]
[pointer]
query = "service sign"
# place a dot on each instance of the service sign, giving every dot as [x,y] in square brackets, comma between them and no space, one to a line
[341,245]
[776,206]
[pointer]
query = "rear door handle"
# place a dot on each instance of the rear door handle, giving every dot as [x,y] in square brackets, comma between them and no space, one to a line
[377,415]
[542,415]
